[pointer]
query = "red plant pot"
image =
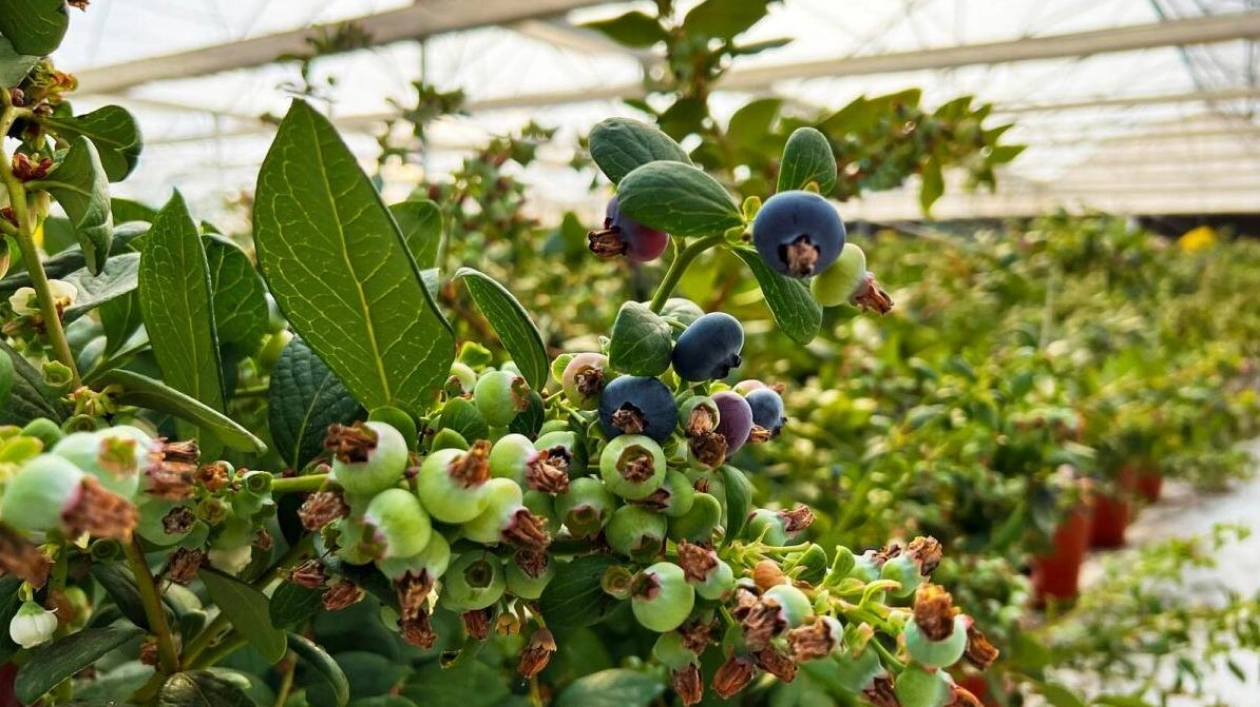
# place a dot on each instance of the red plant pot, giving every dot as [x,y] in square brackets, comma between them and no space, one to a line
[1056,575]
[977,685]
[1112,512]
[1150,484]
[8,673]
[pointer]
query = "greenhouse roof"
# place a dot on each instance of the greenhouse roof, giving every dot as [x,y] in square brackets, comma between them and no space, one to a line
[1138,106]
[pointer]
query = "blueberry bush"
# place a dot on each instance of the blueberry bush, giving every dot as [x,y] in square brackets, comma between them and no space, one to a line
[576,520]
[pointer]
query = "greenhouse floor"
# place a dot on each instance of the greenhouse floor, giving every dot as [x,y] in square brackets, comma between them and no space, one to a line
[1183,513]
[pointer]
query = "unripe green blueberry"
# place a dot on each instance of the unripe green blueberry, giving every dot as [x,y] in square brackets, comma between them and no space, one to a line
[355,544]
[697,524]
[553,426]
[44,430]
[433,559]
[400,523]
[529,573]
[676,496]
[461,381]
[543,505]
[500,396]
[164,522]
[865,567]
[835,285]
[475,580]
[660,597]
[636,531]
[794,606]
[917,686]
[766,525]
[698,415]
[115,458]
[586,507]
[451,483]
[941,653]
[856,674]
[503,498]
[448,439]
[368,457]
[719,584]
[671,650]
[903,570]
[745,387]
[632,466]
[42,490]
[474,354]
[584,379]
[511,457]
[564,445]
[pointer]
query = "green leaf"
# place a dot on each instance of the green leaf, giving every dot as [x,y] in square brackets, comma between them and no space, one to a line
[1126,700]
[126,210]
[722,19]
[120,584]
[738,501]
[247,609]
[620,145]
[1059,696]
[575,598]
[323,664]
[470,684]
[79,184]
[119,278]
[112,129]
[641,342]
[240,300]
[13,66]
[759,47]
[462,416]
[678,199]
[66,262]
[305,398]
[178,309]
[1001,154]
[420,221]
[933,184]
[49,665]
[383,701]
[617,687]
[120,318]
[292,605]
[341,271]
[807,157]
[34,26]
[511,322]
[749,125]
[29,398]
[791,303]
[145,392]
[202,688]
[633,29]
[10,602]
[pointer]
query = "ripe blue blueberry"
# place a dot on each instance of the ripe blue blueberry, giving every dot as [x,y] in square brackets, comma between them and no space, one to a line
[709,348]
[767,409]
[798,233]
[735,420]
[638,405]
[623,235]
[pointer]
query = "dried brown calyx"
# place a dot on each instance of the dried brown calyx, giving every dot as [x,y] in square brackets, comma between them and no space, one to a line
[733,676]
[697,562]
[350,444]
[477,623]
[527,531]
[636,465]
[342,594]
[321,508]
[472,468]
[532,562]
[183,564]
[776,663]
[814,640]
[214,476]
[310,574]
[22,558]
[178,520]
[870,296]
[100,513]
[800,256]
[708,448]
[606,242]
[548,475]
[172,472]
[762,623]
[934,612]
[980,652]
[688,684]
[629,419]
[537,653]
[880,692]
[926,552]
[797,519]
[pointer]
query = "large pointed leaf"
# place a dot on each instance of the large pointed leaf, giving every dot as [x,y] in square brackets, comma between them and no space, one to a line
[807,157]
[341,272]
[616,687]
[633,29]
[68,261]
[246,608]
[112,129]
[13,66]
[793,306]
[420,221]
[34,26]
[120,277]
[120,584]
[470,684]
[678,199]
[50,665]
[722,19]
[120,318]
[240,300]
[28,397]
[304,399]
[293,605]
[79,184]
[202,688]
[511,322]
[146,392]
[176,301]
[620,145]
[575,597]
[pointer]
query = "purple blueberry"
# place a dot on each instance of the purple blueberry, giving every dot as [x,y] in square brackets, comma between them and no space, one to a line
[637,405]
[767,409]
[709,348]
[735,421]
[623,235]
[798,233]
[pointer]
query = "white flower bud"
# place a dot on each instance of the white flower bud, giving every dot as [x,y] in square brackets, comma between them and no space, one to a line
[231,561]
[32,625]
[24,302]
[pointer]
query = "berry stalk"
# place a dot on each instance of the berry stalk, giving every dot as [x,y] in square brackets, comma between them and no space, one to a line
[678,267]
[168,657]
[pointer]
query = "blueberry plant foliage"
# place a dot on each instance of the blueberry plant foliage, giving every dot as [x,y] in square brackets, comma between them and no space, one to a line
[163,541]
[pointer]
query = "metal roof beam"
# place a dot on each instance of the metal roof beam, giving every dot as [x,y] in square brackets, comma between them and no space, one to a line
[423,19]
[1218,96]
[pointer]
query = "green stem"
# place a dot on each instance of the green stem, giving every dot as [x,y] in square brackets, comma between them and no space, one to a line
[25,238]
[168,657]
[678,267]
[286,681]
[229,646]
[297,484]
[891,663]
[203,640]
